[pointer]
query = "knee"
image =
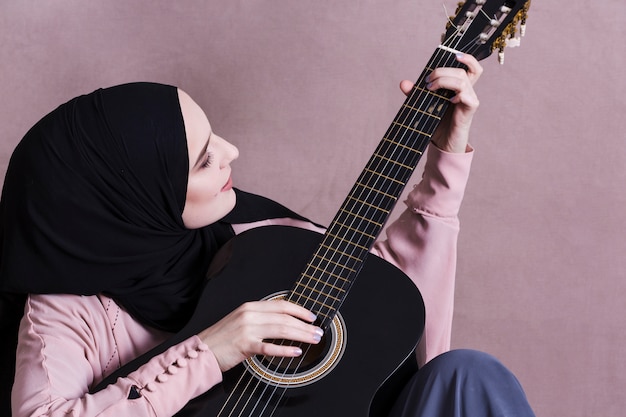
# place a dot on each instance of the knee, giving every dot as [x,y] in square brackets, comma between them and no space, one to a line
[468,358]
[465,382]
[467,363]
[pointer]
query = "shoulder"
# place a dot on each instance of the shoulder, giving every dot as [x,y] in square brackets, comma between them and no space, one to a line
[93,327]
[60,329]
[66,321]
[64,308]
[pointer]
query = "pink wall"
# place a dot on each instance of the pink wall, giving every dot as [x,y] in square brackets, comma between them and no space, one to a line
[306,89]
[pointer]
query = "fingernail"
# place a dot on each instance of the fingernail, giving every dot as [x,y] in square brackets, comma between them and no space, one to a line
[460,55]
[297,351]
[318,334]
[429,86]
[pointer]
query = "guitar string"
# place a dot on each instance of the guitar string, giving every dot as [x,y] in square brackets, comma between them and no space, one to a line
[367,197]
[402,118]
[236,389]
[429,96]
[406,116]
[366,193]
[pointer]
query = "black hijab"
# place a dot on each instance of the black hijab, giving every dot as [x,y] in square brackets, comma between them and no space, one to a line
[92,203]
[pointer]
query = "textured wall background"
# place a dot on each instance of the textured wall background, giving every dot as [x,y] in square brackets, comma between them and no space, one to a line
[306,90]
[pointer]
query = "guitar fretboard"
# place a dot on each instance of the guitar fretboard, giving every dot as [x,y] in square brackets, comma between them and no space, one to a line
[327,277]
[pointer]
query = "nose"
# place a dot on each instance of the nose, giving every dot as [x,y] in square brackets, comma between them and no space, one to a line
[229,152]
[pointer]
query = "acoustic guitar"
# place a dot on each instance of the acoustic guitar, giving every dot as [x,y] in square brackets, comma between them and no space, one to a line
[373,314]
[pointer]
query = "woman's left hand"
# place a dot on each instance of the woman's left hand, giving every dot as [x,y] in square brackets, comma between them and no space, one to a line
[452,135]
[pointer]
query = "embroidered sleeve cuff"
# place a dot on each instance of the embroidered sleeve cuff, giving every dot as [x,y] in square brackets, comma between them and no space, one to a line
[183,372]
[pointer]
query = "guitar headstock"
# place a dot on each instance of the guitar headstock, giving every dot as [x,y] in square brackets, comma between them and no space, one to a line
[482,26]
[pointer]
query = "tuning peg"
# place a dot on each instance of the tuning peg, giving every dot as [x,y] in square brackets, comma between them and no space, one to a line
[510,36]
[523,18]
[513,42]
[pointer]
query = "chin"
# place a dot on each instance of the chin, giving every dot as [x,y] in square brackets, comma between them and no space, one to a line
[201,215]
[228,200]
[232,201]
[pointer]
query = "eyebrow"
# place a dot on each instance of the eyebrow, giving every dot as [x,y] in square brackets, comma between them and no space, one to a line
[204,150]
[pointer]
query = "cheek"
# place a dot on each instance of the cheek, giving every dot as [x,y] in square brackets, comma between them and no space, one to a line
[202,186]
[206,203]
[198,193]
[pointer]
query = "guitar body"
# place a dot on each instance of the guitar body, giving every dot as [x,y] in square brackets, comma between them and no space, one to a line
[383,318]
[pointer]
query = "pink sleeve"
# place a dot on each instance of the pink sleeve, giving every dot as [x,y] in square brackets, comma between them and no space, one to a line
[67,344]
[423,241]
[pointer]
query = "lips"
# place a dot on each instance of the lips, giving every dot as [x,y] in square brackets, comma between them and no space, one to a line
[228,185]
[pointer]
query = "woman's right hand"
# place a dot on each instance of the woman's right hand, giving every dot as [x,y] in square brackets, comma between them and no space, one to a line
[249,329]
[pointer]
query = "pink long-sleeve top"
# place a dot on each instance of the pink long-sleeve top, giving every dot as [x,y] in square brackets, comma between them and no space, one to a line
[69,343]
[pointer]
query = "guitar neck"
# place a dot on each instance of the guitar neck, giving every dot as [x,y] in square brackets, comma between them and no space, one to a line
[331,271]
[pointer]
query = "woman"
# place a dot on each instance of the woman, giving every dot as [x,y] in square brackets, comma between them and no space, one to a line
[114,204]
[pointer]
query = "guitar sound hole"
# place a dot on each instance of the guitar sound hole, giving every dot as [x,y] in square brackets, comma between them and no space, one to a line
[315,362]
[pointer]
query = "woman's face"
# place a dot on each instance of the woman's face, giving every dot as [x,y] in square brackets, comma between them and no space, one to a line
[210,195]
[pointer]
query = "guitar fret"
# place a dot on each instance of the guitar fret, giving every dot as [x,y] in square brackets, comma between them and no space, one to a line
[355,230]
[326,272]
[377,224]
[326,316]
[356,258]
[314,290]
[393,197]
[312,278]
[421,111]
[392,161]
[313,300]
[334,262]
[358,200]
[393,142]
[411,128]
[432,93]
[347,241]
[384,176]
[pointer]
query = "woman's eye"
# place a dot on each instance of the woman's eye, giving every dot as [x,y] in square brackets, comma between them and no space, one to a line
[207,160]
